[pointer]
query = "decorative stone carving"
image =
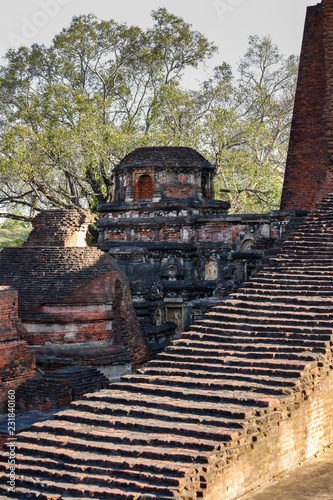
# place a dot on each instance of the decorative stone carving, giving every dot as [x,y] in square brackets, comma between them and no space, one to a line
[211,270]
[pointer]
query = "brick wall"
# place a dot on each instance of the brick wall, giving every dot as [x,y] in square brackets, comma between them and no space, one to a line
[309,168]
[17,362]
[306,162]
[296,433]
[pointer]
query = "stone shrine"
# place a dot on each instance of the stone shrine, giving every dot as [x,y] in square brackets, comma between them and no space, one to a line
[180,249]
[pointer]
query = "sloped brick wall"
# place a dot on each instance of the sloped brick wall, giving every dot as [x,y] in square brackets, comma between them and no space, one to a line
[309,168]
[307,161]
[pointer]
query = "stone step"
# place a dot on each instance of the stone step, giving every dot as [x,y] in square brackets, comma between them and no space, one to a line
[180,370]
[234,370]
[86,426]
[139,425]
[230,320]
[231,411]
[313,284]
[232,347]
[268,364]
[221,396]
[295,293]
[301,265]
[307,273]
[69,450]
[239,355]
[130,464]
[104,408]
[121,478]
[210,383]
[242,303]
[249,308]
[235,341]
[92,490]
[260,330]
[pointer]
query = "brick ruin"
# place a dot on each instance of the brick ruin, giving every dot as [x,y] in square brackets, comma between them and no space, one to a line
[179,247]
[74,302]
[244,395]
[309,169]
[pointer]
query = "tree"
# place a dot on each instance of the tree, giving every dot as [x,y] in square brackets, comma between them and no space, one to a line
[241,125]
[70,112]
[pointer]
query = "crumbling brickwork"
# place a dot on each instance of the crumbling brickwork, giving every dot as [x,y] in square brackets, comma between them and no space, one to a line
[243,396]
[165,208]
[17,362]
[67,294]
[309,169]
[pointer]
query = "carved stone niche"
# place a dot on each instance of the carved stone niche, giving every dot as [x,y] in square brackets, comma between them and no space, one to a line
[176,315]
[211,270]
[172,270]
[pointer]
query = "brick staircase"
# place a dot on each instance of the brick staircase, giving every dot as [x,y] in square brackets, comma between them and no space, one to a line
[170,430]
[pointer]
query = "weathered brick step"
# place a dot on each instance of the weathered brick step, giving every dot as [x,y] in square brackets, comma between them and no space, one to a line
[92,490]
[301,247]
[74,452]
[99,435]
[236,341]
[295,278]
[244,303]
[292,283]
[294,292]
[295,263]
[137,424]
[226,369]
[216,384]
[250,308]
[154,483]
[305,253]
[226,329]
[268,364]
[269,318]
[222,396]
[185,371]
[124,465]
[201,408]
[34,494]
[154,413]
[307,273]
[242,355]
[233,347]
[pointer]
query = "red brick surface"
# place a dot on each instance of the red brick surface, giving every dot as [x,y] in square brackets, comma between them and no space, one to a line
[308,174]
[244,395]
[17,362]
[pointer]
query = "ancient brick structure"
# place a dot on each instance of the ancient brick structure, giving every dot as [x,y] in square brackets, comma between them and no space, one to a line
[243,396]
[309,170]
[74,301]
[17,362]
[177,245]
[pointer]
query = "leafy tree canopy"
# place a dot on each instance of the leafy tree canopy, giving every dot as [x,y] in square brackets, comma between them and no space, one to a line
[71,111]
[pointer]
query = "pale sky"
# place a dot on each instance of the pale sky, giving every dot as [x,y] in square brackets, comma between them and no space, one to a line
[227,23]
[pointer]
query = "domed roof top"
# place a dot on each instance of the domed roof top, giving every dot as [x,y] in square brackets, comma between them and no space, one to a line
[163,156]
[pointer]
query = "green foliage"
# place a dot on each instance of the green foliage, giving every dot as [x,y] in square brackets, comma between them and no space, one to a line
[71,111]
[13,233]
